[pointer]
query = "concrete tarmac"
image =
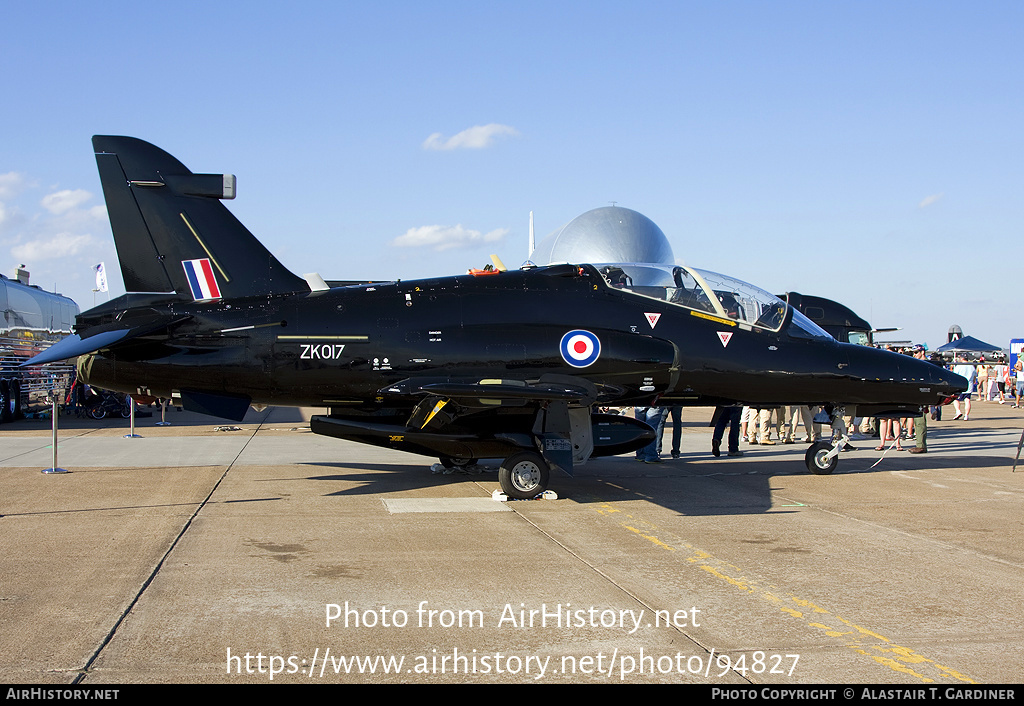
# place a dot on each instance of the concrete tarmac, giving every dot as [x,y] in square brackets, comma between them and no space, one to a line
[263,553]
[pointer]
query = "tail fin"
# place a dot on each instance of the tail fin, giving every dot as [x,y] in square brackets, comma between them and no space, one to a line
[173,234]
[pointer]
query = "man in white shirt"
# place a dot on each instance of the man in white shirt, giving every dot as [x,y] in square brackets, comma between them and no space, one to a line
[969,372]
[995,383]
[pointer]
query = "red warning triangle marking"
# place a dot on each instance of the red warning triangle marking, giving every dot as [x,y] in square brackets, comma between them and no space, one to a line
[652,319]
[725,337]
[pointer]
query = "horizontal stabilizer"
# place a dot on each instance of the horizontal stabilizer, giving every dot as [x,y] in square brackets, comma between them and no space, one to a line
[74,346]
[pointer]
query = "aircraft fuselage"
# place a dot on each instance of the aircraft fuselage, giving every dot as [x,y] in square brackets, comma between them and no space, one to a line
[346,346]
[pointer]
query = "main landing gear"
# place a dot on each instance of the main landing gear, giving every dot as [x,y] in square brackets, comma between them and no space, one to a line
[523,475]
[449,462]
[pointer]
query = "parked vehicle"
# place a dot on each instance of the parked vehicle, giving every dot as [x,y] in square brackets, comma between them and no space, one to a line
[31,320]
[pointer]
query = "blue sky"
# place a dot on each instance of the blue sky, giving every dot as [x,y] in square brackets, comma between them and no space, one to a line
[869,152]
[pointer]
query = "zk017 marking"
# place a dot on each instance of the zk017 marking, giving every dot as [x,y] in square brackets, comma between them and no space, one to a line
[322,351]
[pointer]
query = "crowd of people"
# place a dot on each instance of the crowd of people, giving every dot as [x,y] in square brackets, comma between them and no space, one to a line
[1000,382]
[990,382]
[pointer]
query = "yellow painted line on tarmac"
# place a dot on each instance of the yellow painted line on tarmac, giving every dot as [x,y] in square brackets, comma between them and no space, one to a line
[860,640]
[649,538]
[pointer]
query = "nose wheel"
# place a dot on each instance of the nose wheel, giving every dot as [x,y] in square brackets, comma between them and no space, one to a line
[523,475]
[822,458]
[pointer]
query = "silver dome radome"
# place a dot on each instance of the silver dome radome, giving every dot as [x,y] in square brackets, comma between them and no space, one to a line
[607,234]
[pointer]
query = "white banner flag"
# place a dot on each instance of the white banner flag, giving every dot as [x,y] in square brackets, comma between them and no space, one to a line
[101,278]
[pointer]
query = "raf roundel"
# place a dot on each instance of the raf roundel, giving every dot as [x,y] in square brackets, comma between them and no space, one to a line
[580,348]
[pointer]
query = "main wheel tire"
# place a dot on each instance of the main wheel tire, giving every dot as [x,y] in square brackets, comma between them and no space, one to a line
[15,388]
[815,459]
[523,475]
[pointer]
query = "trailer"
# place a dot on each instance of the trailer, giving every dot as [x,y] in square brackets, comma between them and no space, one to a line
[32,321]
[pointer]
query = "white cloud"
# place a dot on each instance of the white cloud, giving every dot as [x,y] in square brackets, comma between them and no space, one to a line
[59,245]
[446,237]
[929,200]
[474,138]
[10,184]
[63,201]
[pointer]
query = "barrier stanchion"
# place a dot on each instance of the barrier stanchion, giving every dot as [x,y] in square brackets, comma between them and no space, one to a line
[1017,457]
[131,416]
[163,411]
[53,415]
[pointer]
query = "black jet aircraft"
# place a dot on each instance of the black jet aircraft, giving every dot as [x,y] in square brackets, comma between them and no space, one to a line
[498,364]
[838,320]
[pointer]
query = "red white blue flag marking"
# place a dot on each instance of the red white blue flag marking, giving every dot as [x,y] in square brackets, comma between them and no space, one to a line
[580,348]
[201,279]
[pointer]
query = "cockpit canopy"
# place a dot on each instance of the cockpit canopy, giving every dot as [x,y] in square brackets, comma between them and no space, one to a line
[711,293]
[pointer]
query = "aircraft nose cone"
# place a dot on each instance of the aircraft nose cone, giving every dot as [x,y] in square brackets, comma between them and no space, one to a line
[907,380]
[927,371]
[933,378]
[956,383]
